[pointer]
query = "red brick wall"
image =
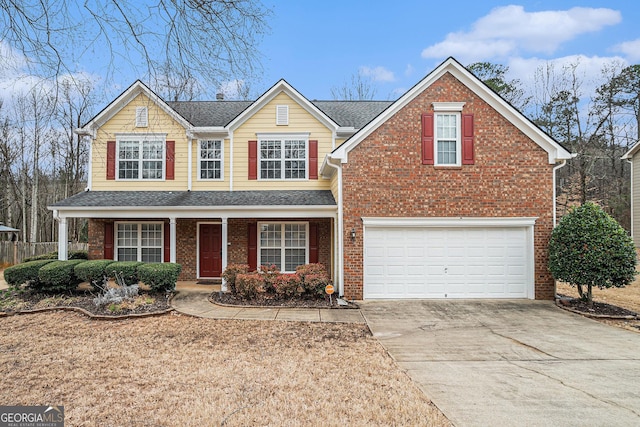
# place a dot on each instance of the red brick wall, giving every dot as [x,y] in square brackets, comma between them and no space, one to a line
[96,239]
[384,177]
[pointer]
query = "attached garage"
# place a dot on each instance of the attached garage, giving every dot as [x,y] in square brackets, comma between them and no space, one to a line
[448,258]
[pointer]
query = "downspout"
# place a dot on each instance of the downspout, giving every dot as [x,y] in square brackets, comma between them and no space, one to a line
[555,168]
[89,166]
[230,160]
[340,233]
[631,199]
[190,161]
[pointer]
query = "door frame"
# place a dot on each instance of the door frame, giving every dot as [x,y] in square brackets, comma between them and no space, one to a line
[198,244]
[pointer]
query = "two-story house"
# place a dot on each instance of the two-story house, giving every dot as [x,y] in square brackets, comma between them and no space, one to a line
[447,192]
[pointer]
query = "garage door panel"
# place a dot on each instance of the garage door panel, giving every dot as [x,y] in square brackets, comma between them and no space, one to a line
[440,262]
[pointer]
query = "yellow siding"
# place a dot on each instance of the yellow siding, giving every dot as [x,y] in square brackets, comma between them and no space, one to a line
[265,121]
[124,122]
[334,186]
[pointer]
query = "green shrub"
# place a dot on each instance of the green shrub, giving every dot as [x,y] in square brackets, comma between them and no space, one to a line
[58,276]
[231,272]
[127,270]
[160,276]
[249,285]
[589,248]
[54,256]
[78,255]
[93,271]
[314,278]
[25,273]
[288,285]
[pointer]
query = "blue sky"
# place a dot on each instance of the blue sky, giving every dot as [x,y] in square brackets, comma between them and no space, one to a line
[317,45]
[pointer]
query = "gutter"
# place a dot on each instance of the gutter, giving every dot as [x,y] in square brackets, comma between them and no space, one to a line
[555,168]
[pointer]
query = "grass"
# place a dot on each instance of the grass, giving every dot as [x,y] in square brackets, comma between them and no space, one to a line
[178,370]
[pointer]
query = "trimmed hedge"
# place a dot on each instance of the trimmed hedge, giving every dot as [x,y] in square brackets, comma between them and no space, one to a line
[25,273]
[58,276]
[128,270]
[231,272]
[93,271]
[160,276]
[54,256]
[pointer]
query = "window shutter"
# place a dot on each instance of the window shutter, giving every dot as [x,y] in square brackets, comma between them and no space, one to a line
[108,240]
[313,243]
[467,139]
[167,242]
[253,159]
[313,159]
[427,139]
[252,252]
[171,160]
[111,160]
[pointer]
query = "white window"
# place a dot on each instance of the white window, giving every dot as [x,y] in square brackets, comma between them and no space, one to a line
[139,241]
[141,158]
[447,139]
[282,115]
[210,159]
[142,117]
[284,245]
[283,158]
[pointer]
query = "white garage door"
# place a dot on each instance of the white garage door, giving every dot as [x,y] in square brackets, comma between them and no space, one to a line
[448,261]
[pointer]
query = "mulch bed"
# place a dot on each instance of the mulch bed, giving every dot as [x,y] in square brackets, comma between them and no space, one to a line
[26,301]
[598,309]
[266,300]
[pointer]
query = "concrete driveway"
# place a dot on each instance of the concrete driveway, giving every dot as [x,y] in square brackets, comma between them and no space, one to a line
[507,363]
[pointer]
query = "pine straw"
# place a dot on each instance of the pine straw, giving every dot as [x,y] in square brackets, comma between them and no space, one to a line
[627,297]
[177,370]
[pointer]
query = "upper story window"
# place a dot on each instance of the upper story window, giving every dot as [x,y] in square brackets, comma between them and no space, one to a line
[142,117]
[283,158]
[141,157]
[210,163]
[447,139]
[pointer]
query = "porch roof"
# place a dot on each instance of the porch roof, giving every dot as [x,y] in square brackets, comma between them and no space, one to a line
[170,199]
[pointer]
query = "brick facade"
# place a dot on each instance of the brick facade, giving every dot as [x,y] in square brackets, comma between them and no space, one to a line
[186,247]
[384,177]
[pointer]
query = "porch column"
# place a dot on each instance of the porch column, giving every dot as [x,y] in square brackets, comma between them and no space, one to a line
[62,238]
[225,246]
[172,237]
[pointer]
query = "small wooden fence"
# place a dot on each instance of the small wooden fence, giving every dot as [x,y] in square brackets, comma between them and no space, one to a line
[16,252]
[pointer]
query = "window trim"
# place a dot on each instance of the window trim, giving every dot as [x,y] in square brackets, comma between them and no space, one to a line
[261,137]
[282,241]
[141,139]
[139,243]
[200,159]
[458,138]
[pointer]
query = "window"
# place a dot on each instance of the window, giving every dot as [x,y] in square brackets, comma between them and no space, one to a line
[139,242]
[283,245]
[211,159]
[141,158]
[283,158]
[142,117]
[447,139]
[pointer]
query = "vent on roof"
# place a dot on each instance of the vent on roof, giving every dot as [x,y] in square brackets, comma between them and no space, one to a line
[220,96]
[282,115]
[142,117]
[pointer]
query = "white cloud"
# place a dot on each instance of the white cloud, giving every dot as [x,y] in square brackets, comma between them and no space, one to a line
[231,89]
[630,48]
[409,70]
[377,74]
[510,30]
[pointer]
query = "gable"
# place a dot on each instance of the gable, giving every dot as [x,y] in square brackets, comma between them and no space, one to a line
[554,150]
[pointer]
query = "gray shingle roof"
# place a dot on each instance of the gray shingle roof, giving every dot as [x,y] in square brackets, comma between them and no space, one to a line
[220,113]
[197,198]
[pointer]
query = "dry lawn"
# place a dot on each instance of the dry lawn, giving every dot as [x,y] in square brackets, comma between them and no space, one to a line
[177,370]
[627,297]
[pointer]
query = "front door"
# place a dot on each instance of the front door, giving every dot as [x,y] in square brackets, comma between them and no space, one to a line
[210,250]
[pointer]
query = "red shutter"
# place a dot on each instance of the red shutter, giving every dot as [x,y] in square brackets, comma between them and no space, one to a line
[252,250]
[108,240]
[467,139]
[427,139]
[253,159]
[111,160]
[313,159]
[167,242]
[313,243]
[171,160]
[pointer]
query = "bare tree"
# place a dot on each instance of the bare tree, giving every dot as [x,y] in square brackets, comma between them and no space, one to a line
[358,89]
[212,40]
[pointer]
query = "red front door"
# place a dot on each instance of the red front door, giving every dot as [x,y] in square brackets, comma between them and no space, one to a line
[210,250]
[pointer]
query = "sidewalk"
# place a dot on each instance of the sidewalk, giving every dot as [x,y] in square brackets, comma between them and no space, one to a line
[194,301]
